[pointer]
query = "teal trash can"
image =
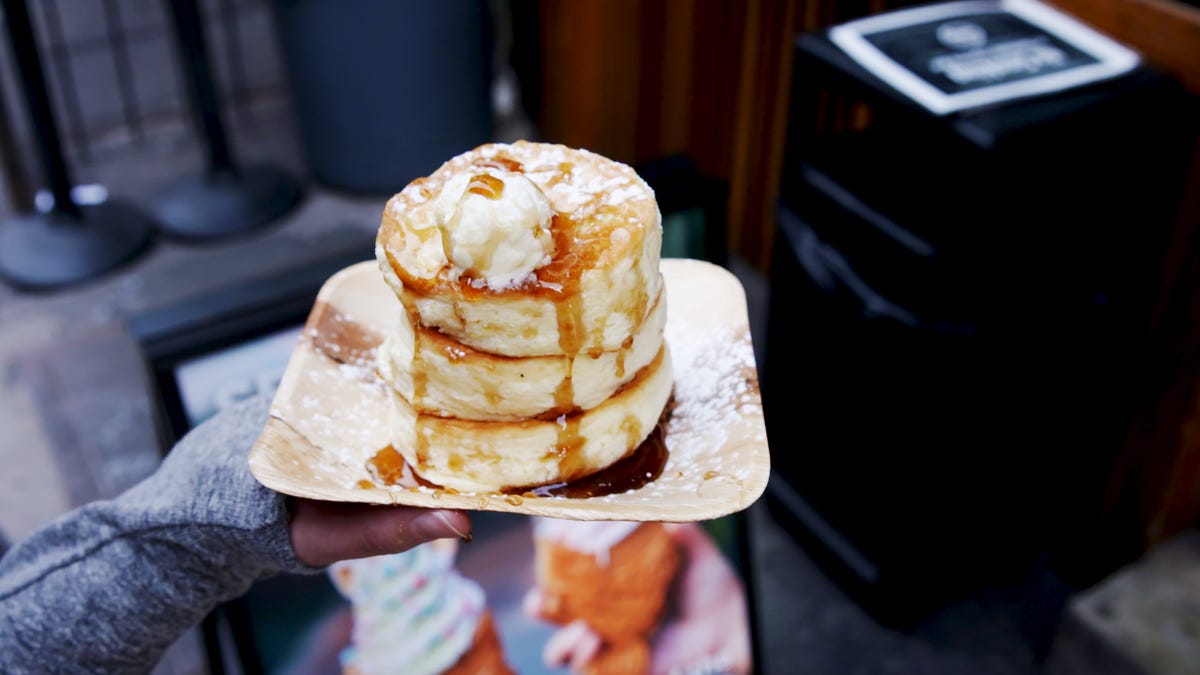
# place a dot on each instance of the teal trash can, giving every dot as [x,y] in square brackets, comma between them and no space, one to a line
[384,91]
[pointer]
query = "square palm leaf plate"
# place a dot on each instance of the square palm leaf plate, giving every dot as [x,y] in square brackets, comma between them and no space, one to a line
[329,416]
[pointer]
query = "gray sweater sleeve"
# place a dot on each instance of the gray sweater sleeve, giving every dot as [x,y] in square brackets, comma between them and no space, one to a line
[108,587]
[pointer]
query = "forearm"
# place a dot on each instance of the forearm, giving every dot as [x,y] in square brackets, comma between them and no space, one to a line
[109,586]
[118,603]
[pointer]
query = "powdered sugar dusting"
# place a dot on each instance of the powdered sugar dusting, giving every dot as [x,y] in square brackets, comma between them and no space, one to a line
[339,405]
[715,389]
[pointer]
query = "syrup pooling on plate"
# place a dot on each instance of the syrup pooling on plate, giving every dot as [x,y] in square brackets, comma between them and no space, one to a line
[644,466]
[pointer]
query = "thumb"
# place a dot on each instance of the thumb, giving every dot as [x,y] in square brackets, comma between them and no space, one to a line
[325,532]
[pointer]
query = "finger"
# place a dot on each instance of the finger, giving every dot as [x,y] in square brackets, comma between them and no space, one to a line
[585,650]
[533,602]
[324,532]
[561,646]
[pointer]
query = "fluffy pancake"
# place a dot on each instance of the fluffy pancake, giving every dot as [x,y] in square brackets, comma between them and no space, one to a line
[439,376]
[480,456]
[597,288]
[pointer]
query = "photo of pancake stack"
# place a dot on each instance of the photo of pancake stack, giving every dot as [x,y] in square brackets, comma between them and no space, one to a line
[414,613]
[613,576]
[531,349]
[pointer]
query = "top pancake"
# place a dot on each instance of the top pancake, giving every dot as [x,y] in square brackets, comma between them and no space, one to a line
[598,287]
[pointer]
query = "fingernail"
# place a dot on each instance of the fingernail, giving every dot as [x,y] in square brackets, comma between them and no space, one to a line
[438,525]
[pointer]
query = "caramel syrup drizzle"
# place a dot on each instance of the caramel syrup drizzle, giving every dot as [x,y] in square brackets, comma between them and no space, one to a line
[501,163]
[487,185]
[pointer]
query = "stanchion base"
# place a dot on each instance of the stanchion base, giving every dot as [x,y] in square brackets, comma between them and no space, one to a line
[221,203]
[41,251]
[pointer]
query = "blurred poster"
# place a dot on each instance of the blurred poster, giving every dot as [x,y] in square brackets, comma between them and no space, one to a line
[957,55]
[530,595]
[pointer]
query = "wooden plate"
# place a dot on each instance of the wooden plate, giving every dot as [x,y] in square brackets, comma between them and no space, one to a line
[329,416]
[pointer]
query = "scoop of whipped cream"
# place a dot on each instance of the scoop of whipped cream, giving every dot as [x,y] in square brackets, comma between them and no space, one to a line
[495,225]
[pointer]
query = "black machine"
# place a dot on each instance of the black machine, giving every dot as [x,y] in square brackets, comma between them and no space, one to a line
[958,292]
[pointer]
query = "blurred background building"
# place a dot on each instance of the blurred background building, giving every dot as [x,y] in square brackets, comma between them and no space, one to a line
[947,489]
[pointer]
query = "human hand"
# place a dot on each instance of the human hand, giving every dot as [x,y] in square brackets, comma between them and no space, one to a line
[326,532]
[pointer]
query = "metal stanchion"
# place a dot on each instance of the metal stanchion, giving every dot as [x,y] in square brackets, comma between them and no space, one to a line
[68,243]
[227,198]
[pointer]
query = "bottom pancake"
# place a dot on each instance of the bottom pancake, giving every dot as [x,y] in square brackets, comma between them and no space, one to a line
[478,456]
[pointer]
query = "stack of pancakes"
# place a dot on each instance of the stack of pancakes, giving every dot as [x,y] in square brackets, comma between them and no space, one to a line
[545,379]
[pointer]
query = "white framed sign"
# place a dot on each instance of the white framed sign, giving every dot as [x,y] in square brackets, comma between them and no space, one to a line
[211,382]
[957,55]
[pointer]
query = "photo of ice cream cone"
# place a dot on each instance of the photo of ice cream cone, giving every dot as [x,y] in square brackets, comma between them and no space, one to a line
[413,612]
